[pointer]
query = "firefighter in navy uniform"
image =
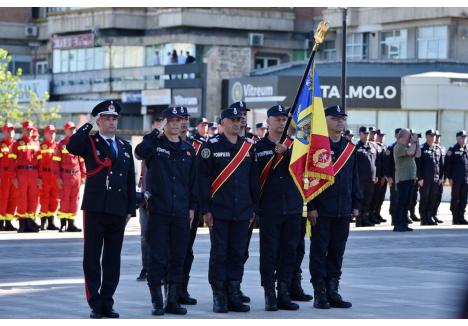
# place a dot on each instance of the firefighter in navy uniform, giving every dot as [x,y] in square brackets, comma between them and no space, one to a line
[441,186]
[330,214]
[456,170]
[229,189]
[430,176]
[280,213]
[171,169]
[389,165]
[366,156]
[109,200]
[381,185]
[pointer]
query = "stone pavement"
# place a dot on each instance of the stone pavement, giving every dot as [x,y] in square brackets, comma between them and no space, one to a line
[386,275]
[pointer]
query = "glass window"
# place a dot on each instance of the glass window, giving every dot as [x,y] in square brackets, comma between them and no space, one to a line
[263,62]
[133,56]
[100,58]
[327,50]
[153,55]
[89,58]
[64,65]
[56,61]
[73,59]
[358,118]
[451,122]
[432,42]
[388,121]
[393,44]
[357,46]
[80,60]
[422,121]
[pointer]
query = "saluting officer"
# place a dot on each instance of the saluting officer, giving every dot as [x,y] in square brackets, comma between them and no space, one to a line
[109,200]
[171,169]
[381,186]
[456,169]
[280,213]
[430,177]
[229,188]
[330,214]
[366,156]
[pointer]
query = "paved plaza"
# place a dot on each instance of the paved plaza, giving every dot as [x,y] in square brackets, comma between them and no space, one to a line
[386,275]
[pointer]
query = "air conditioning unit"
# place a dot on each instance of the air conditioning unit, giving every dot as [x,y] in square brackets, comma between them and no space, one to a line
[30,31]
[255,39]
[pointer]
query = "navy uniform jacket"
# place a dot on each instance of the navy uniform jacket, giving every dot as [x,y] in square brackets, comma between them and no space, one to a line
[380,161]
[119,197]
[389,162]
[456,164]
[345,194]
[171,174]
[280,195]
[237,198]
[430,164]
[366,156]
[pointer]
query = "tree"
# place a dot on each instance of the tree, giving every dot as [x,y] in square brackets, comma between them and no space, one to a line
[37,110]
[9,90]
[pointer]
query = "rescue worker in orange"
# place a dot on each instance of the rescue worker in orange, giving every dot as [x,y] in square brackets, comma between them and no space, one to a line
[8,190]
[47,182]
[72,172]
[25,151]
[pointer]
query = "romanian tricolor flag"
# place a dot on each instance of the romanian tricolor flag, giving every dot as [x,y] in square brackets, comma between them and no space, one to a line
[311,165]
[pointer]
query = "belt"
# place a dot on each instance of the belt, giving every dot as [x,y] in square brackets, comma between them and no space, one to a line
[46,169]
[70,171]
[27,167]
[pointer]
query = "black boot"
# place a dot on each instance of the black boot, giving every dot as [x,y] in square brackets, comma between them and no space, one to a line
[461,218]
[9,226]
[270,299]
[63,225]
[50,224]
[359,221]
[320,294]
[413,216]
[437,220]
[43,223]
[21,225]
[284,301]
[142,276]
[335,299]
[234,297]
[157,300]
[184,296]
[244,298]
[71,226]
[296,292]
[219,297]
[30,226]
[381,219]
[2,225]
[366,221]
[172,301]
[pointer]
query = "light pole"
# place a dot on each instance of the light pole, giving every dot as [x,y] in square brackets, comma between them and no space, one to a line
[343,60]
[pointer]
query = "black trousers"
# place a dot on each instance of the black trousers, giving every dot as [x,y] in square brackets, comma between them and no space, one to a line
[367,188]
[300,250]
[167,238]
[103,237]
[379,197]
[327,247]
[404,190]
[414,197]
[438,199]
[227,254]
[458,201]
[428,194]
[246,254]
[144,243]
[189,255]
[393,202]
[279,237]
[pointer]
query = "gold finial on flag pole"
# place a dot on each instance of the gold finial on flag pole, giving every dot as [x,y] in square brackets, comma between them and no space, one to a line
[320,34]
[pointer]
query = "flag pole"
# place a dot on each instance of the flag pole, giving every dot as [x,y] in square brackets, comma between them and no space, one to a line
[319,37]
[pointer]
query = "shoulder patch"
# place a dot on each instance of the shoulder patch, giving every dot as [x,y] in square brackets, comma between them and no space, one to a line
[213,140]
[449,152]
[205,153]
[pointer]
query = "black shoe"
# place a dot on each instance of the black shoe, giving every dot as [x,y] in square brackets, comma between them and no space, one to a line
[172,301]
[95,315]
[157,301]
[271,303]
[381,219]
[142,276]
[71,226]
[185,298]
[43,223]
[234,297]
[409,221]
[320,295]
[2,225]
[244,298]
[414,217]
[9,226]
[335,299]
[22,225]
[408,229]
[296,291]
[399,229]
[284,301]
[63,225]
[437,220]
[30,226]
[50,224]
[110,313]
[219,297]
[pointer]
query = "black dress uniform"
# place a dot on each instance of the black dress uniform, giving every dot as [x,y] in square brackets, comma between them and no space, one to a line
[280,215]
[109,197]
[232,206]
[440,186]
[381,186]
[328,240]
[171,167]
[431,171]
[456,169]
[366,156]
